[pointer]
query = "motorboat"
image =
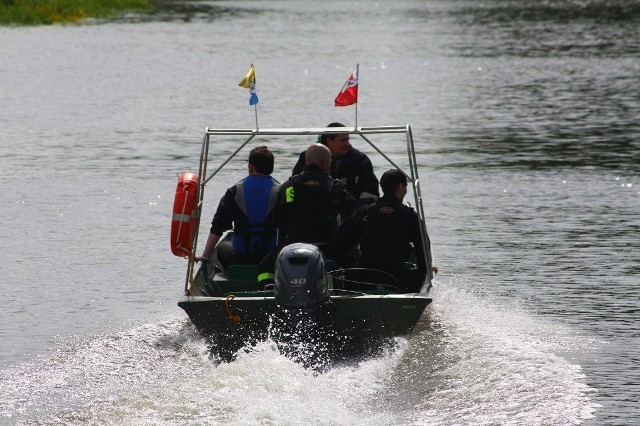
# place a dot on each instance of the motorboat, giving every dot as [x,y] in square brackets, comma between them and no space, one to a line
[316,308]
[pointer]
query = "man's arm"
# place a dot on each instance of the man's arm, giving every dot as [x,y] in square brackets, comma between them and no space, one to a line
[348,233]
[225,214]
[280,210]
[222,221]
[212,240]
[345,202]
[367,182]
[413,229]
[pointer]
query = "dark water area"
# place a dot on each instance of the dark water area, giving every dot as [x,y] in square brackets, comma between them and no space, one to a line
[556,103]
[526,117]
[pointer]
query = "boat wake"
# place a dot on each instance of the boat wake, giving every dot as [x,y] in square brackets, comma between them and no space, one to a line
[470,361]
[164,373]
[484,362]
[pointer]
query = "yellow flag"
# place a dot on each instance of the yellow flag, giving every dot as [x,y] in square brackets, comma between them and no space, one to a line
[249,80]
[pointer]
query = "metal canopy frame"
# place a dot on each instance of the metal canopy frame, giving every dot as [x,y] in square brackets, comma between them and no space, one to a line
[362,132]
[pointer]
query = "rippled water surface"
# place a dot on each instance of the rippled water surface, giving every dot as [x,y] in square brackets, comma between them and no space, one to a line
[526,116]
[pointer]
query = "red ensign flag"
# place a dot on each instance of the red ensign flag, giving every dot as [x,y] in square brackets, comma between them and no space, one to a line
[349,93]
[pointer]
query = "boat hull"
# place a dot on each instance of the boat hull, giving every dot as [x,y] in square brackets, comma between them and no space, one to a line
[350,326]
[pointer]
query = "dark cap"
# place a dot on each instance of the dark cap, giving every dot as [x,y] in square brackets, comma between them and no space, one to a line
[390,180]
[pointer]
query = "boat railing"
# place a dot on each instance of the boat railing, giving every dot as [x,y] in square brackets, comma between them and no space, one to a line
[362,132]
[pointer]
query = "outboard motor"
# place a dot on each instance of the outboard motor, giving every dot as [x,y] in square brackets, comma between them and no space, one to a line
[301,280]
[302,326]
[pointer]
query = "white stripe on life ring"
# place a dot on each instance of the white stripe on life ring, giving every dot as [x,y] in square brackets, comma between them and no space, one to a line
[181,217]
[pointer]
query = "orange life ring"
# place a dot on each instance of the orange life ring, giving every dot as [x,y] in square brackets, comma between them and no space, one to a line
[184,223]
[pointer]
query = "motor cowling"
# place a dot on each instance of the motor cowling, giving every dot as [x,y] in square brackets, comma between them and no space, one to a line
[301,279]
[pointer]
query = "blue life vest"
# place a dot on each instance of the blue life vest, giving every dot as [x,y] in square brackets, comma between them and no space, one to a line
[256,197]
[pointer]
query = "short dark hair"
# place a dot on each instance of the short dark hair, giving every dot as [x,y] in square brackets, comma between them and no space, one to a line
[262,160]
[323,138]
[391,179]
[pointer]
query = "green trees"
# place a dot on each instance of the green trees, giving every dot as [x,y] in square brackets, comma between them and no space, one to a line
[45,12]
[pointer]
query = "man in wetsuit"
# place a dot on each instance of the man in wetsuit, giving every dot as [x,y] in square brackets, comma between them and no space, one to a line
[385,232]
[352,167]
[248,207]
[310,207]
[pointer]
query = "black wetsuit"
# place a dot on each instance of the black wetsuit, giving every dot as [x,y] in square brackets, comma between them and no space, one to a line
[354,171]
[385,231]
[310,208]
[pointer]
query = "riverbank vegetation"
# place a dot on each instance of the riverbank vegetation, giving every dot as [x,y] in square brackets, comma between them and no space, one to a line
[45,12]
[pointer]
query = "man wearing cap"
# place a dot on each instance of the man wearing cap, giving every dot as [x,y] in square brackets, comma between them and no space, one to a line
[350,166]
[385,232]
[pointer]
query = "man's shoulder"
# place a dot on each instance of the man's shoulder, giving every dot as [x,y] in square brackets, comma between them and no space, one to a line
[406,208]
[234,188]
[238,189]
[264,178]
[410,216]
[357,159]
[289,181]
[395,204]
[356,153]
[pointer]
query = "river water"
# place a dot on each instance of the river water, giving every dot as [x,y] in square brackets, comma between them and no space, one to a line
[526,116]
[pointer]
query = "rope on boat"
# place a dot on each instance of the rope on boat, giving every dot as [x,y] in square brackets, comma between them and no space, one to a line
[227,304]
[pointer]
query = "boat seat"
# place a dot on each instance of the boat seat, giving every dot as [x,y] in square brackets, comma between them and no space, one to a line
[242,272]
[238,278]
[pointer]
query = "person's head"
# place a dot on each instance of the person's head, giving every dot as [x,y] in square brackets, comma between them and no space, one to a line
[394,182]
[319,155]
[260,161]
[338,144]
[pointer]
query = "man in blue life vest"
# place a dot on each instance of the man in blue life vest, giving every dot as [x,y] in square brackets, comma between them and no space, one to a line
[352,167]
[248,207]
[385,232]
[310,207]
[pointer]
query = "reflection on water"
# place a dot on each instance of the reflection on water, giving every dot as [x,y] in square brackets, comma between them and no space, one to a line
[550,98]
[597,28]
[552,11]
[541,84]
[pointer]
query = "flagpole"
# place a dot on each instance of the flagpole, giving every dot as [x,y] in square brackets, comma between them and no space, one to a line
[249,82]
[358,74]
[255,106]
[256,110]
